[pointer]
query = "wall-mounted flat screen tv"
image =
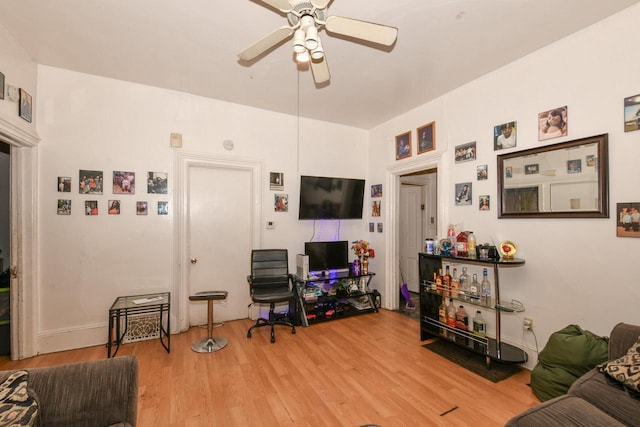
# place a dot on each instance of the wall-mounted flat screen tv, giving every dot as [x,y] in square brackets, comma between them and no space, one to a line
[327,255]
[330,198]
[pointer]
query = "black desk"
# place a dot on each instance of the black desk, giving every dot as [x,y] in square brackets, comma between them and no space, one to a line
[125,306]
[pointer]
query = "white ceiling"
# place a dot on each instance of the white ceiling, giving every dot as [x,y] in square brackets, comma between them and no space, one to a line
[191,46]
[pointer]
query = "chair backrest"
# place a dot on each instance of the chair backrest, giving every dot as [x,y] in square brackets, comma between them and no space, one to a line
[269,268]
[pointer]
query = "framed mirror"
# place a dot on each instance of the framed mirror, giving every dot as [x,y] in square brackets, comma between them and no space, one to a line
[565,180]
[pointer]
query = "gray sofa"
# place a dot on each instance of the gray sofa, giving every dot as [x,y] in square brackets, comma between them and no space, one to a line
[593,400]
[86,394]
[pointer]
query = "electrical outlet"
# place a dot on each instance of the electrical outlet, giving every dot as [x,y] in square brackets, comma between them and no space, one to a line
[527,323]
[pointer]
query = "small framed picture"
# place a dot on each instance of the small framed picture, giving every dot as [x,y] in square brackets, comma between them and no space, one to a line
[504,136]
[482,172]
[142,208]
[483,203]
[64,184]
[163,208]
[276,181]
[375,208]
[426,137]
[553,123]
[632,113]
[90,182]
[592,161]
[64,207]
[379,227]
[574,166]
[463,194]
[114,207]
[376,190]
[124,182]
[531,169]
[26,105]
[466,152]
[628,223]
[508,172]
[372,227]
[91,207]
[1,86]
[157,182]
[403,146]
[281,203]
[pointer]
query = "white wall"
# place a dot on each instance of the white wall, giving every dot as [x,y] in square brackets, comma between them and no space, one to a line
[577,271]
[89,122]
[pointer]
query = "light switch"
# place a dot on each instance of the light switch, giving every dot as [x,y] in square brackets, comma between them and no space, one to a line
[271,225]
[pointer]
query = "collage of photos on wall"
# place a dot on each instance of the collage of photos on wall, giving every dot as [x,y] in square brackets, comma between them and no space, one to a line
[376,207]
[91,182]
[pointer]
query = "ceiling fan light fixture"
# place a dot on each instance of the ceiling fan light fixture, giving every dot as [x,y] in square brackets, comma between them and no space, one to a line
[298,41]
[311,39]
[318,52]
[302,57]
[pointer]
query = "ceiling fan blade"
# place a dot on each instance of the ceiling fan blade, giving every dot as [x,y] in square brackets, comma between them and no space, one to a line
[320,70]
[282,5]
[265,44]
[320,4]
[376,33]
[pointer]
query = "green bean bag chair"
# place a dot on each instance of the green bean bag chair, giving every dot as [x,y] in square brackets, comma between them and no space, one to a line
[569,354]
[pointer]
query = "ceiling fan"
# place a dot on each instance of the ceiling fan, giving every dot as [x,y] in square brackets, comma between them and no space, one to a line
[306,18]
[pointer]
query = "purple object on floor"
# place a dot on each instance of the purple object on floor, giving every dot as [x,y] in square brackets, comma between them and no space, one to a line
[405,294]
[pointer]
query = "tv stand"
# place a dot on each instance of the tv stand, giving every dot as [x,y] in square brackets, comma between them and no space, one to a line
[334,296]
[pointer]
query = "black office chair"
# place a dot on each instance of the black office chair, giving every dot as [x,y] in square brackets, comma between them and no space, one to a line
[271,283]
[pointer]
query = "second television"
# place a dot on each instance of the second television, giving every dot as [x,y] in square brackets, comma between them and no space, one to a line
[327,255]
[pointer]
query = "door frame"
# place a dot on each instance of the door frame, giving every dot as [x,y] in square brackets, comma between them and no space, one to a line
[24,238]
[183,162]
[393,174]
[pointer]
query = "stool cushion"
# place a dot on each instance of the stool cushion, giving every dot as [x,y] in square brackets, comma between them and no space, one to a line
[208,295]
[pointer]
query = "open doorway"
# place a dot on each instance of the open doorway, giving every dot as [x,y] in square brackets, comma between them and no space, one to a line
[418,220]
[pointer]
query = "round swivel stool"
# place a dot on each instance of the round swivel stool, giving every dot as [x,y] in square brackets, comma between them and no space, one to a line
[210,343]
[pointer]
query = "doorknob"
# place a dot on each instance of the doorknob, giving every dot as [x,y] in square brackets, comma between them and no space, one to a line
[14,272]
[194,260]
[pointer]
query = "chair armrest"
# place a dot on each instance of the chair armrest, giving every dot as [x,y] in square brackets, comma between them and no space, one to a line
[623,336]
[101,392]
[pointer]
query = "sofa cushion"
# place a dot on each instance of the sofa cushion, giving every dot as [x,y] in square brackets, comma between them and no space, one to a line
[626,369]
[607,395]
[564,411]
[18,406]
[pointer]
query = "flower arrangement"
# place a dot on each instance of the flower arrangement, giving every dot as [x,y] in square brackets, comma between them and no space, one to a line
[361,249]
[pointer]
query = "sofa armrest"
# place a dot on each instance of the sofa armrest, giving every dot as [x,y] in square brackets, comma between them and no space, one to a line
[623,336]
[96,393]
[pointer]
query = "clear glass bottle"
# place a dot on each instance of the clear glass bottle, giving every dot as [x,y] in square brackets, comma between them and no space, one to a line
[474,288]
[465,283]
[485,287]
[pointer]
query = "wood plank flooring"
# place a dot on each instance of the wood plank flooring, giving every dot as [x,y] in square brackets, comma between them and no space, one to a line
[368,369]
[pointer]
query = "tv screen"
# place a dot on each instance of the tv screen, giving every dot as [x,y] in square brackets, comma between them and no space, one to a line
[330,198]
[327,255]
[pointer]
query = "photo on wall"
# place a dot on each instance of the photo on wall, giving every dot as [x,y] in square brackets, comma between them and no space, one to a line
[504,136]
[64,207]
[91,207]
[114,207]
[281,203]
[466,152]
[628,224]
[482,172]
[426,137]
[64,184]
[553,123]
[375,208]
[403,146]
[276,181]
[90,182]
[376,190]
[163,208]
[632,113]
[483,203]
[142,208]
[463,194]
[124,182]
[157,182]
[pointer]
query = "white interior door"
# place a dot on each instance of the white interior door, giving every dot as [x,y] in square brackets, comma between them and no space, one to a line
[410,234]
[220,233]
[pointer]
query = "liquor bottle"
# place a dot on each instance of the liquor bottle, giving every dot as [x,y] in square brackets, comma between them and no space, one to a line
[462,323]
[434,283]
[442,316]
[480,331]
[485,287]
[446,282]
[471,245]
[461,245]
[455,283]
[465,283]
[451,318]
[451,235]
[474,288]
[439,281]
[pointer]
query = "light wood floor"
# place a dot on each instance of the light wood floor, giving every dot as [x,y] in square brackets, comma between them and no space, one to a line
[368,369]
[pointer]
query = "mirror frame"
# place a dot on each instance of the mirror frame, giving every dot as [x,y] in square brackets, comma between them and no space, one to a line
[602,210]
